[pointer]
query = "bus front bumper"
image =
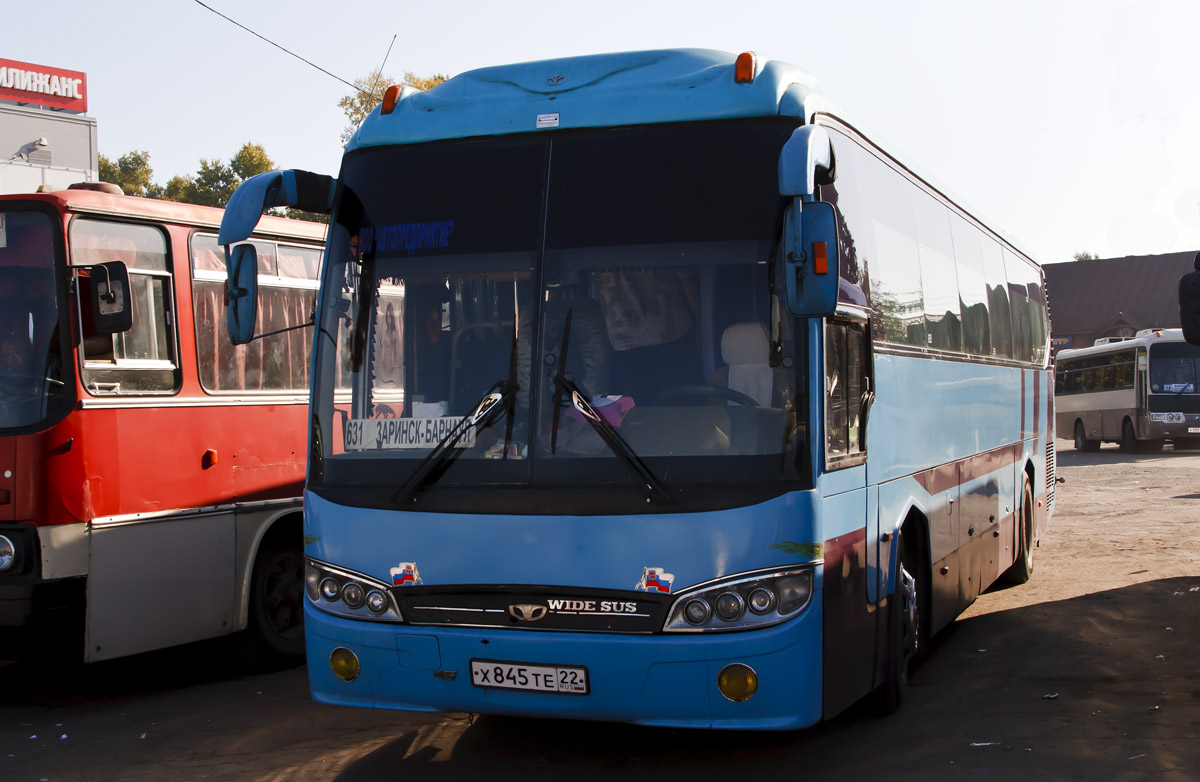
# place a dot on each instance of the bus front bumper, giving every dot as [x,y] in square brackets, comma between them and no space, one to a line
[666,680]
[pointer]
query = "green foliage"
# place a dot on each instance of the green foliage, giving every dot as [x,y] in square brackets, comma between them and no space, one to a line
[215,182]
[1086,256]
[132,172]
[300,214]
[369,92]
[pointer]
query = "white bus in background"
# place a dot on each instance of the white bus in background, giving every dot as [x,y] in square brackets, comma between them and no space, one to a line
[1138,392]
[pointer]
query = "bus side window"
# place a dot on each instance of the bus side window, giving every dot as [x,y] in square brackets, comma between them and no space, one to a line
[141,360]
[847,385]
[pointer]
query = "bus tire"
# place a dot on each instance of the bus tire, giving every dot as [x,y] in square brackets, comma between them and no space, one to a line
[1129,441]
[276,623]
[1021,569]
[904,630]
[1082,443]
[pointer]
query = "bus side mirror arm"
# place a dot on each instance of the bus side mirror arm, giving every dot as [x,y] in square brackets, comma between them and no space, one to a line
[297,189]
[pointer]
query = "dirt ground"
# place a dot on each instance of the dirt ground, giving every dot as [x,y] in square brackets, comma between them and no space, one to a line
[1090,671]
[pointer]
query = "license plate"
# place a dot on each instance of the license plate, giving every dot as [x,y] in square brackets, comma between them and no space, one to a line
[558,679]
[1194,430]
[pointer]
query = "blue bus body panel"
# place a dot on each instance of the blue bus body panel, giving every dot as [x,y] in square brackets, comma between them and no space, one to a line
[602,90]
[649,680]
[661,679]
[603,552]
[970,405]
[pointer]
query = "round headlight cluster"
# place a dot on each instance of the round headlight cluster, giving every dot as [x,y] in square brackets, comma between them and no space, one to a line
[762,601]
[353,594]
[335,591]
[697,611]
[730,606]
[741,603]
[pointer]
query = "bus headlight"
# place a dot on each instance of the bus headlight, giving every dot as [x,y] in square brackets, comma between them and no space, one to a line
[742,602]
[8,553]
[348,594]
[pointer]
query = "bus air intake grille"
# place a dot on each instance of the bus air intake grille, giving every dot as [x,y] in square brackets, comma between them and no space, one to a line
[1051,480]
[515,607]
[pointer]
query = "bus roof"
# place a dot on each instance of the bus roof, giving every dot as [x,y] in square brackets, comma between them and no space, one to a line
[597,90]
[1143,337]
[612,90]
[85,201]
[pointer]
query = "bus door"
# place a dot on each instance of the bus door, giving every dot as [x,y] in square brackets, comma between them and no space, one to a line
[1143,385]
[850,585]
[154,523]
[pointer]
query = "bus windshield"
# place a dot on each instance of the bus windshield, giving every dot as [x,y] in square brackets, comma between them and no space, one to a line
[1173,368]
[593,309]
[32,387]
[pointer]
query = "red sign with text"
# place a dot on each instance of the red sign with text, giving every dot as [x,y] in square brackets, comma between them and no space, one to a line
[44,86]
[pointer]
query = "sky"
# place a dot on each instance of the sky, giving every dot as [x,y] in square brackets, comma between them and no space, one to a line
[1070,125]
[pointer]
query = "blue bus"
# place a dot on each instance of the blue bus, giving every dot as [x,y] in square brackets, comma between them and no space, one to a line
[648,388]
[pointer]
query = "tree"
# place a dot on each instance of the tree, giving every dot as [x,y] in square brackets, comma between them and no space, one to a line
[212,185]
[132,172]
[369,91]
[215,182]
[1086,256]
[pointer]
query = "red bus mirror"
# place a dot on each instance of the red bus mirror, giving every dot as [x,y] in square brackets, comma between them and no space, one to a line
[112,311]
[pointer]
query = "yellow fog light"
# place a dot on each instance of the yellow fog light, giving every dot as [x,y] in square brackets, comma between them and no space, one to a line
[345,664]
[737,682]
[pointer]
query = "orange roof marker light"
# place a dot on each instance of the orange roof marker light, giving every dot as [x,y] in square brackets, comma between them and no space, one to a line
[389,99]
[745,67]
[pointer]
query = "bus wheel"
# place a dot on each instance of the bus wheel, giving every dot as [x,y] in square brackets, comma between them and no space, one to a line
[1021,569]
[1129,441]
[1081,441]
[276,626]
[904,631]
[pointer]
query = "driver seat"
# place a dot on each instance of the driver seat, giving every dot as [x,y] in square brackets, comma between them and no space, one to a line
[745,349]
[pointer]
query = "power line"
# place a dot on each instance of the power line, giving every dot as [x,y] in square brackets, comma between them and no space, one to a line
[283,49]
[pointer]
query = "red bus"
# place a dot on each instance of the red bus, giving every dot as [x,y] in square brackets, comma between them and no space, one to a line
[150,471]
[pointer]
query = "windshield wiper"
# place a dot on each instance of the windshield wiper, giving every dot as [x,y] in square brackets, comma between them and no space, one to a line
[444,453]
[563,385]
[437,461]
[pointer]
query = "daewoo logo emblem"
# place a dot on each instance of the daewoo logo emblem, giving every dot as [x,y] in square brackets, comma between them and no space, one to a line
[526,612]
[554,81]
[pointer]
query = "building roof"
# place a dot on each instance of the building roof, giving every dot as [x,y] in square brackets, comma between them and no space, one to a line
[1141,291]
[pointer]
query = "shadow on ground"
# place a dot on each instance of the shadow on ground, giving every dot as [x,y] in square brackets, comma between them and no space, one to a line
[1102,686]
[56,679]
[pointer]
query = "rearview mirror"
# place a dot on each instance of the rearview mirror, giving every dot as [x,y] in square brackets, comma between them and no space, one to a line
[810,259]
[241,292]
[112,311]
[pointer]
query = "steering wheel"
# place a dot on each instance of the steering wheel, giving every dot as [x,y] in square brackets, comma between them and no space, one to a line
[706,395]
